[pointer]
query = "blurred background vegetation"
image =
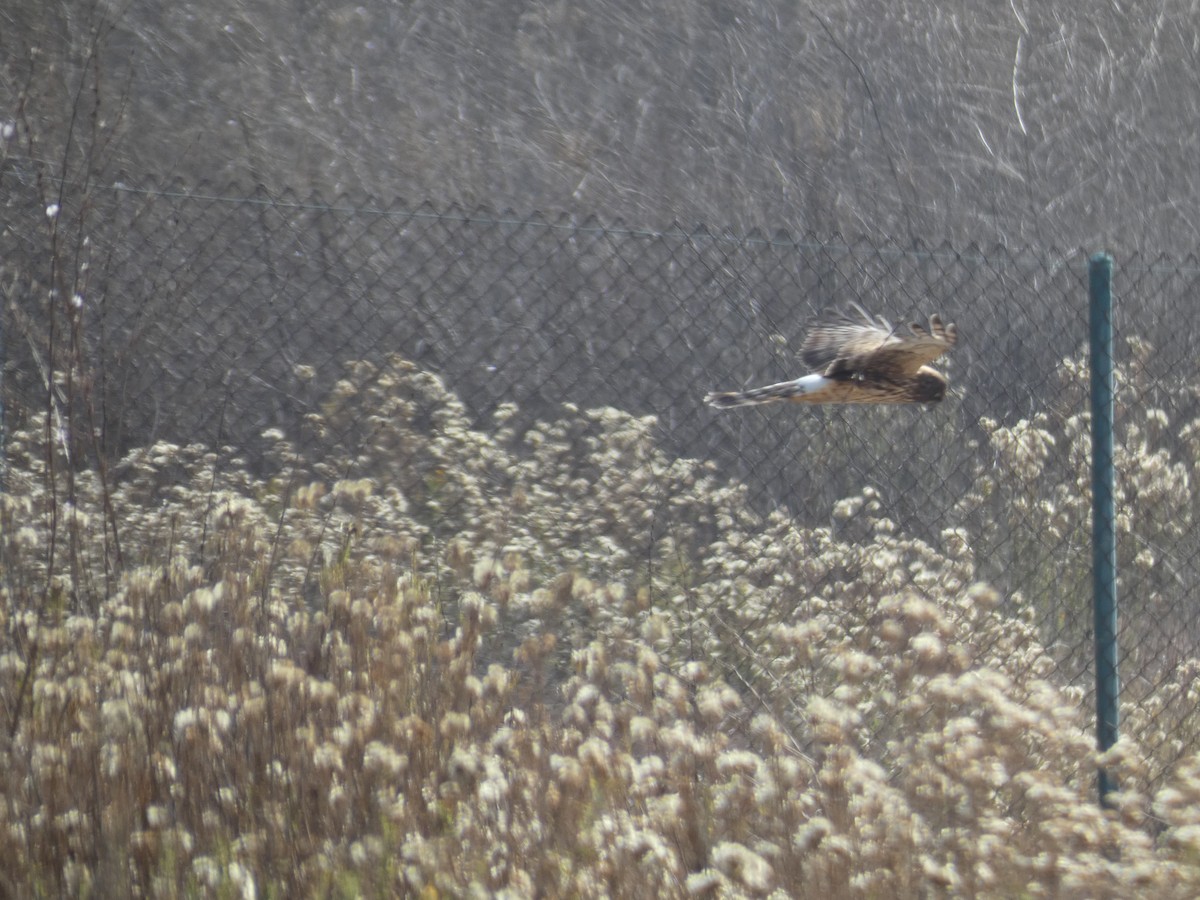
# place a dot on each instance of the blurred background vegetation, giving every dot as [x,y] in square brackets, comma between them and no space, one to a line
[1047,123]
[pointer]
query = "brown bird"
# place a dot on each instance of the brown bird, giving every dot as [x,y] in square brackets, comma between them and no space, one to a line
[859,359]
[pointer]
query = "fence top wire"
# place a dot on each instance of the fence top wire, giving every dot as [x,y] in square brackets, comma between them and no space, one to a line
[1045,258]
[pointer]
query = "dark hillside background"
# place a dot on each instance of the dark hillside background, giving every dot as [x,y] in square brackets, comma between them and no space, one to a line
[1024,123]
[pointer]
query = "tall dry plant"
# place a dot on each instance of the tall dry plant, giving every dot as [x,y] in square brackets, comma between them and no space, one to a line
[452,661]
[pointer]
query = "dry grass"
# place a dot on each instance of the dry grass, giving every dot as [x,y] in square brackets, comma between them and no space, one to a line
[455,663]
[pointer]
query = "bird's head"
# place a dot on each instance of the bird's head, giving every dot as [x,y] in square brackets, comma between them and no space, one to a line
[929,386]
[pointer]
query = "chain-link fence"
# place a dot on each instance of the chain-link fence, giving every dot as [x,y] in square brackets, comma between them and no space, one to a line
[216,318]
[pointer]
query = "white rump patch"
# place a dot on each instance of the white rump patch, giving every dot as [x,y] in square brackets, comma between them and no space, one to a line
[810,384]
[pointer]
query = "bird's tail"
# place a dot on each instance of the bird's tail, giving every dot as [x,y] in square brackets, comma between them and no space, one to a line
[785,390]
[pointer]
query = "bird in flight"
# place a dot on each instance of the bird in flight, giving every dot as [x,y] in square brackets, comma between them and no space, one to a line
[856,358]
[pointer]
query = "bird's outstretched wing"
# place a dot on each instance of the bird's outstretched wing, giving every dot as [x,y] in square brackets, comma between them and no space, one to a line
[857,342]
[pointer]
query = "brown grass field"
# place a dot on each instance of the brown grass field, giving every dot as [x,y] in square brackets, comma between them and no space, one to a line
[426,660]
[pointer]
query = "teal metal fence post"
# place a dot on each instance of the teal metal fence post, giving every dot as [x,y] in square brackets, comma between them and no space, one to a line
[1104,523]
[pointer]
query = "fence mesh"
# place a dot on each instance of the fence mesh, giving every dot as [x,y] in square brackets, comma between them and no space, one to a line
[222,321]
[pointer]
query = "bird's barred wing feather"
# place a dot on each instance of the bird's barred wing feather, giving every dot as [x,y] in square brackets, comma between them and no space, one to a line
[862,344]
[854,333]
[906,354]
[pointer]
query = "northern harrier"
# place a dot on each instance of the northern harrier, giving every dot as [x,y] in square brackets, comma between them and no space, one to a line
[858,359]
